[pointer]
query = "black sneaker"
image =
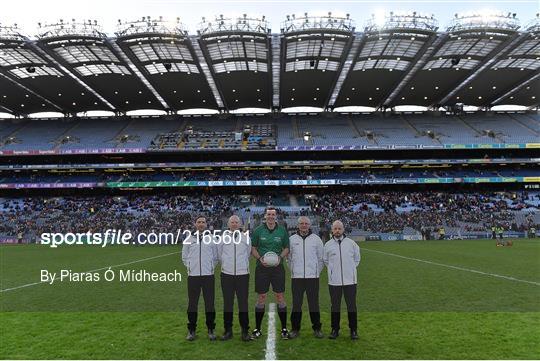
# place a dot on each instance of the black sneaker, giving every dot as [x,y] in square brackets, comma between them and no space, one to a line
[211,335]
[294,334]
[334,334]
[227,335]
[284,334]
[256,333]
[318,333]
[354,335]
[246,336]
[191,335]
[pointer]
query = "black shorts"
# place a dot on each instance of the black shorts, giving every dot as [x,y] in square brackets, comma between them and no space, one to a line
[266,276]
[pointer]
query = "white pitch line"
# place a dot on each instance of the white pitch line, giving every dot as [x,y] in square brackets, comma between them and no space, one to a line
[94,270]
[270,353]
[455,267]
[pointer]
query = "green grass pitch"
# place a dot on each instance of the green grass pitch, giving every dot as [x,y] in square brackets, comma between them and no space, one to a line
[417,300]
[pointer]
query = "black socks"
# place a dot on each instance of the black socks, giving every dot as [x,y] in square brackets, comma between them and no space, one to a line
[282,313]
[259,314]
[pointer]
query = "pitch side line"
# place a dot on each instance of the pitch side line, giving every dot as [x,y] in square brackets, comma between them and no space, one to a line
[270,353]
[455,267]
[94,270]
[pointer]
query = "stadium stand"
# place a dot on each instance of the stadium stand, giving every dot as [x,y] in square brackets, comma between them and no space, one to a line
[365,214]
[250,137]
[278,174]
[327,91]
[164,133]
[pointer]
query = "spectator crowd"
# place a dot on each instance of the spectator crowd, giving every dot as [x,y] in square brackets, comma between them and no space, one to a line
[382,212]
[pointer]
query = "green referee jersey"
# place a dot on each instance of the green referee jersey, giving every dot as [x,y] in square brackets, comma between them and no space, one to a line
[266,240]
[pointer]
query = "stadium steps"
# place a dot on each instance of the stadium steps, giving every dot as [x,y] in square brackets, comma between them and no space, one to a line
[524,125]
[536,118]
[373,141]
[182,127]
[354,127]
[7,127]
[121,131]
[493,126]
[479,133]
[296,129]
[13,133]
[58,139]
[410,125]
[419,133]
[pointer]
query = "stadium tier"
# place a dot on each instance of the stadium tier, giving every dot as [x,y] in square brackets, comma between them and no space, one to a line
[160,178]
[287,132]
[381,215]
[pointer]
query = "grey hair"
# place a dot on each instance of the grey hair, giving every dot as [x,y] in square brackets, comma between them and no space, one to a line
[304,217]
[234,216]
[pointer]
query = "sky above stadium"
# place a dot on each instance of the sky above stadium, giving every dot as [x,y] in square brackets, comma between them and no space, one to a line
[27,13]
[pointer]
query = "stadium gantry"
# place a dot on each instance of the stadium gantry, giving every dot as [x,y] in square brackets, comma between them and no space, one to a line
[235,63]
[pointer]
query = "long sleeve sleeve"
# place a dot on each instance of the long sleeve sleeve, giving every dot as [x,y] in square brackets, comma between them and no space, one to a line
[185,253]
[325,256]
[248,248]
[215,252]
[219,250]
[356,255]
[320,255]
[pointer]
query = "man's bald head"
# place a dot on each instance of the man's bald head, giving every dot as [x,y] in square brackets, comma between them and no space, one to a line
[337,229]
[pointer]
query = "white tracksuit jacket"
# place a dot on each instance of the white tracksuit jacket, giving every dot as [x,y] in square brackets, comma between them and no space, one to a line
[234,258]
[199,258]
[341,258]
[305,256]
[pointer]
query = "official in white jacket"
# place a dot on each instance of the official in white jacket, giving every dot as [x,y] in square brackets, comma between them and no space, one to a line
[200,257]
[341,257]
[306,262]
[233,252]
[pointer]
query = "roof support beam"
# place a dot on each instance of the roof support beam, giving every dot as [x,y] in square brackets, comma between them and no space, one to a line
[500,50]
[269,58]
[350,53]
[208,72]
[282,64]
[417,63]
[8,78]
[46,53]
[139,75]
[7,110]
[516,88]
[276,70]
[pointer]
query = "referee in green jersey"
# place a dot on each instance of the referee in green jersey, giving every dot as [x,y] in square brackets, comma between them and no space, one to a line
[270,237]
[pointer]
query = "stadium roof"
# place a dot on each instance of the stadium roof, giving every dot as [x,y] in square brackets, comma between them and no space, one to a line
[233,63]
